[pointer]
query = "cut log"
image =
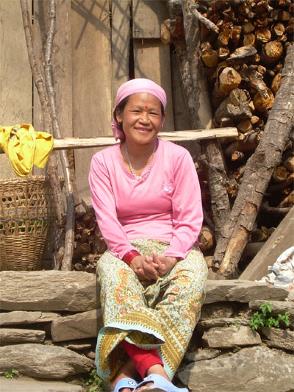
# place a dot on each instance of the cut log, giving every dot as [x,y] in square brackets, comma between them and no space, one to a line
[228,80]
[289,164]
[273,51]
[223,53]
[279,29]
[255,79]
[248,27]
[243,52]
[279,241]
[237,156]
[209,56]
[249,39]
[254,120]
[288,201]
[259,169]
[276,83]
[235,107]
[165,34]
[235,35]
[280,174]
[263,34]
[225,34]
[206,239]
[247,145]
[245,126]
[263,100]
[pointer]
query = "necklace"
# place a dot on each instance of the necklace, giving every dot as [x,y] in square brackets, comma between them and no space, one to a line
[132,170]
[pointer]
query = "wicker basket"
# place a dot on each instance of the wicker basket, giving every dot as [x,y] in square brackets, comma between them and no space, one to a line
[26,215]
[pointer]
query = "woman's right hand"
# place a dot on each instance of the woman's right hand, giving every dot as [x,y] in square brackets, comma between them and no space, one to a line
[145,268]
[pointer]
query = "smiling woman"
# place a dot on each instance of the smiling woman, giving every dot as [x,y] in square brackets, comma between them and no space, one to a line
[147,200]
[141,119]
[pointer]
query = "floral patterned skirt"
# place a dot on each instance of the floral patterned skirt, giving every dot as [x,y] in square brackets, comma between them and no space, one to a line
[161,315]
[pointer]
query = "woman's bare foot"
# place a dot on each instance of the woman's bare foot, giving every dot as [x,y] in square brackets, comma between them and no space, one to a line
[128,370]
[155,369]
[158,369]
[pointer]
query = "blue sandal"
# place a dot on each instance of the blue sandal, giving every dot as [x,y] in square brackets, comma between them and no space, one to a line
[160,384]
[125,382]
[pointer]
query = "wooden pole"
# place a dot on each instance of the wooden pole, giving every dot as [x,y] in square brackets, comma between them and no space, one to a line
[258,172]
[178,136]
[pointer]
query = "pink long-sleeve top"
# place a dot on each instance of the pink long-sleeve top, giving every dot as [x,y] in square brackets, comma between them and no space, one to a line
[165,204]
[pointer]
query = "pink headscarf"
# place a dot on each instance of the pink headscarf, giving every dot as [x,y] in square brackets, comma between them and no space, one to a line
[139,85]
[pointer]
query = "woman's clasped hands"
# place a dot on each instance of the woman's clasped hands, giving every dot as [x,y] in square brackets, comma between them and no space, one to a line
[150,268]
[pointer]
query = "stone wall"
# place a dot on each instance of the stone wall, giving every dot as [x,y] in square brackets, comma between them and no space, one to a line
[50,319]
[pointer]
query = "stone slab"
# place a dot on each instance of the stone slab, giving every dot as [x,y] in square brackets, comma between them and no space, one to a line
[43,361]
[78,326]
[26,384]
[202,354]
[48,291]
[22,317]
[279,338]
[222,322]
[218,309]
[242,291]
[76,291]
[17,335]
[227,337]
[250,369]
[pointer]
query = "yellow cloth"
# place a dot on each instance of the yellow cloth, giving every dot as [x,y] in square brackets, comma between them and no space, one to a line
[25,147]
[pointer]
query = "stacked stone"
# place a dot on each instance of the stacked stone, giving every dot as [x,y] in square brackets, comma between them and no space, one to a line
[226,355]
[50,319]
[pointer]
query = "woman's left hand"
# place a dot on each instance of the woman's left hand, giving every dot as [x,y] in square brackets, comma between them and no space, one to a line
[165,263]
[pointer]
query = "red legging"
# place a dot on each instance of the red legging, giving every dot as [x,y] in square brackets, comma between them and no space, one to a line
[142,359]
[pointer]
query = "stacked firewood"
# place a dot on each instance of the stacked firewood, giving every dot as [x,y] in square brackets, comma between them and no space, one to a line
[243,63]
[89,245]
[243,51]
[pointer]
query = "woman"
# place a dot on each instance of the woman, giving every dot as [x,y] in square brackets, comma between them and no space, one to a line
[147,201]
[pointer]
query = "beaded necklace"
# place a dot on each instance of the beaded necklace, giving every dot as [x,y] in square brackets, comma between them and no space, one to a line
[132,170]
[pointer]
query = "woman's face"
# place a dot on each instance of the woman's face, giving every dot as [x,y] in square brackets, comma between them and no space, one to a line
[141,118]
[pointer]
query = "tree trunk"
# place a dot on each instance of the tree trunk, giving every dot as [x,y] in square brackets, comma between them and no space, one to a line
[218,180]
[190,70]
[258,172]
[70,210]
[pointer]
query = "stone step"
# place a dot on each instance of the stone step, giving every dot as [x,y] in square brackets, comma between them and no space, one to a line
[26,384]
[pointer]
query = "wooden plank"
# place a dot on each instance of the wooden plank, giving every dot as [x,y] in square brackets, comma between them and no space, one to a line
[280,240]
[178,136]
[190,135]
[147,17]
[180,108]
[15,73]
[152,61]
[91,56]
[120,43]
